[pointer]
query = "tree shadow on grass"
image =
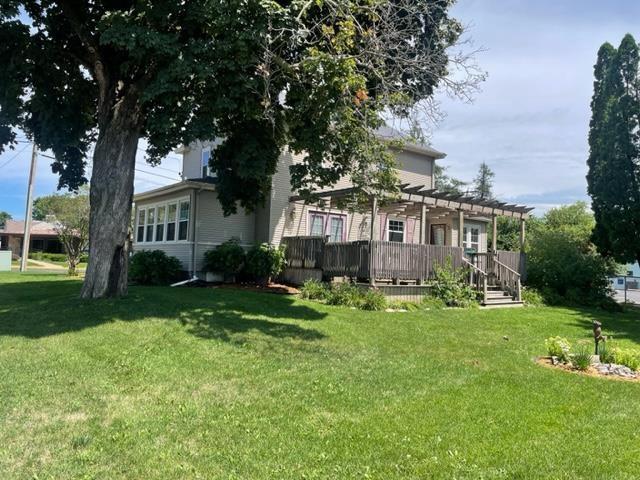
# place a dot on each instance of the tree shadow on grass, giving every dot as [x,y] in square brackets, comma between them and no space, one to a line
[618,325]
[36,309]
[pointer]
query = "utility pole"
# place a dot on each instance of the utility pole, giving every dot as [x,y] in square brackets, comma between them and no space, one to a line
[27,215]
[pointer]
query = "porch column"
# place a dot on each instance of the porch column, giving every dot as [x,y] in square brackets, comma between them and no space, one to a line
[423,224]
[494,236]
[460,228]
[523,224]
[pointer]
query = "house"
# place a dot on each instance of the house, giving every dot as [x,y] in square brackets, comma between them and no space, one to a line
[629,281]
[43,238]
[185,219]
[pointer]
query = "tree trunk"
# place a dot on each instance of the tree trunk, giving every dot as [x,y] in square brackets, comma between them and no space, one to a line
[111,197]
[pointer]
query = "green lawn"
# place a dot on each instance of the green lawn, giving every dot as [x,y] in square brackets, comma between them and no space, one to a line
[211,383]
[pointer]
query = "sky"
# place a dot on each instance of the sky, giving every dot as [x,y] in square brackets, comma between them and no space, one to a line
[529,122]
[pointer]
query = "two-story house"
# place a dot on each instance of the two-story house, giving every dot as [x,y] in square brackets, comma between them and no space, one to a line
[185,219]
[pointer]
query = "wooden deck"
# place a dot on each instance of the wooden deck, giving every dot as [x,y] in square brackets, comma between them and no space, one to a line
[383,263]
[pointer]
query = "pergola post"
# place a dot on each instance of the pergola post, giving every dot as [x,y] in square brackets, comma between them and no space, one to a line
[461,228]
[494,236]
[523,224]
[423,223]
[372,237]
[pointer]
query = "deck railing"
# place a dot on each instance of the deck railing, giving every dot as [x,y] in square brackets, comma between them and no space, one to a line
[382,260]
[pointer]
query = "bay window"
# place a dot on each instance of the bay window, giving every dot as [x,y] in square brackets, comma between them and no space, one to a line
[166,222]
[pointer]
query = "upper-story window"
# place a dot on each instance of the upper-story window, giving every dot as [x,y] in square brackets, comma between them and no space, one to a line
[164,222]
[206,157]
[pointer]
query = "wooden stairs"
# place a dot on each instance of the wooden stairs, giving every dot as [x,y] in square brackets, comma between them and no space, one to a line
[498,298]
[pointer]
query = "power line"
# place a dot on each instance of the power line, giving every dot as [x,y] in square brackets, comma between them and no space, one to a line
[158,167]
[156,174]
[14,157]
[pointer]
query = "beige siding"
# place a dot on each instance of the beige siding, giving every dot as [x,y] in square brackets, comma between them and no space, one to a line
[415,169]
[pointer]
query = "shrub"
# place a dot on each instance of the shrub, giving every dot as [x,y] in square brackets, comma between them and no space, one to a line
[450,285]
[405,305]
[581,359]
[558,347]
[227,258]
[532,297]
[346,294]
[314,290]
[154,267]
[372,299]
[432,303]
[264,262]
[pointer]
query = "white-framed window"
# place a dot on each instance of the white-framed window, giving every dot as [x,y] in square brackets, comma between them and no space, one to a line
[395,231]
[163,222]
[206,157]
[331,225]
[471,238]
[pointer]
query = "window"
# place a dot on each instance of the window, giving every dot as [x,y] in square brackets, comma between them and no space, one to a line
[620,281]
[161,213]
[336,229]
[317,224]
[166,222]
[439,234]
[395,231]
[206,157]
[471,238]
[151,220]
[331,225]
[172,209]
[183,221]
[141,216]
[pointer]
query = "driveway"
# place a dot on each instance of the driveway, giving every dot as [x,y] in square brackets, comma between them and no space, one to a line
[633,296]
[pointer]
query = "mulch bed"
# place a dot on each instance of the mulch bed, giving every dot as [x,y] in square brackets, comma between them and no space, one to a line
[276,288]
[590,372]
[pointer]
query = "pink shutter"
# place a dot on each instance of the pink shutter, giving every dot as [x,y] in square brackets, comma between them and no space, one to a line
[383,226]
[411,225]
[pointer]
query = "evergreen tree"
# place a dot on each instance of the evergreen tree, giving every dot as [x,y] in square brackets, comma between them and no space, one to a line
[614,157]
[483,183]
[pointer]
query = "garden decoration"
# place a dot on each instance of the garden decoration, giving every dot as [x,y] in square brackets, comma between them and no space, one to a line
[597,334]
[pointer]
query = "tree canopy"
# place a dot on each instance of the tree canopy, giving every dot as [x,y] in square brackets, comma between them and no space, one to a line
[317,77]
[4,216]
[614,151]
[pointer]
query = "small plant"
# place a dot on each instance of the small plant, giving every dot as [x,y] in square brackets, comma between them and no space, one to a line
[606,353]
[227,258]
[373,300]
[154,267]
[627,357]
[451,287]
[264,262]
[581,359]
[314,290]
[558,347]
[432,303]
[346,294]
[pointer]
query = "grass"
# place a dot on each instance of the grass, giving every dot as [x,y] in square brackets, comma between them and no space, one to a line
[216,383]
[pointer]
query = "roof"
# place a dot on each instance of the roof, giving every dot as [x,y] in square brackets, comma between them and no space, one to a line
[388,133]
[16,227]
[194,183]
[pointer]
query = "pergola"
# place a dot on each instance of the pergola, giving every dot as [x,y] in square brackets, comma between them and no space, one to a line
[427,204]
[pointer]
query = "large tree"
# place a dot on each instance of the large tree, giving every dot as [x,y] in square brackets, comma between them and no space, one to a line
[614,156]
[4,216]
[447,183]
[260,75]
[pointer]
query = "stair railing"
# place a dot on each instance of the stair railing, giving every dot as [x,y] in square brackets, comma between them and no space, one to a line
[477,278]
[508,279]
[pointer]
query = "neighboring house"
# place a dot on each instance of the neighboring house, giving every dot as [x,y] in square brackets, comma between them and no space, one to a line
[629,281]
[43,238]
[185,219]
